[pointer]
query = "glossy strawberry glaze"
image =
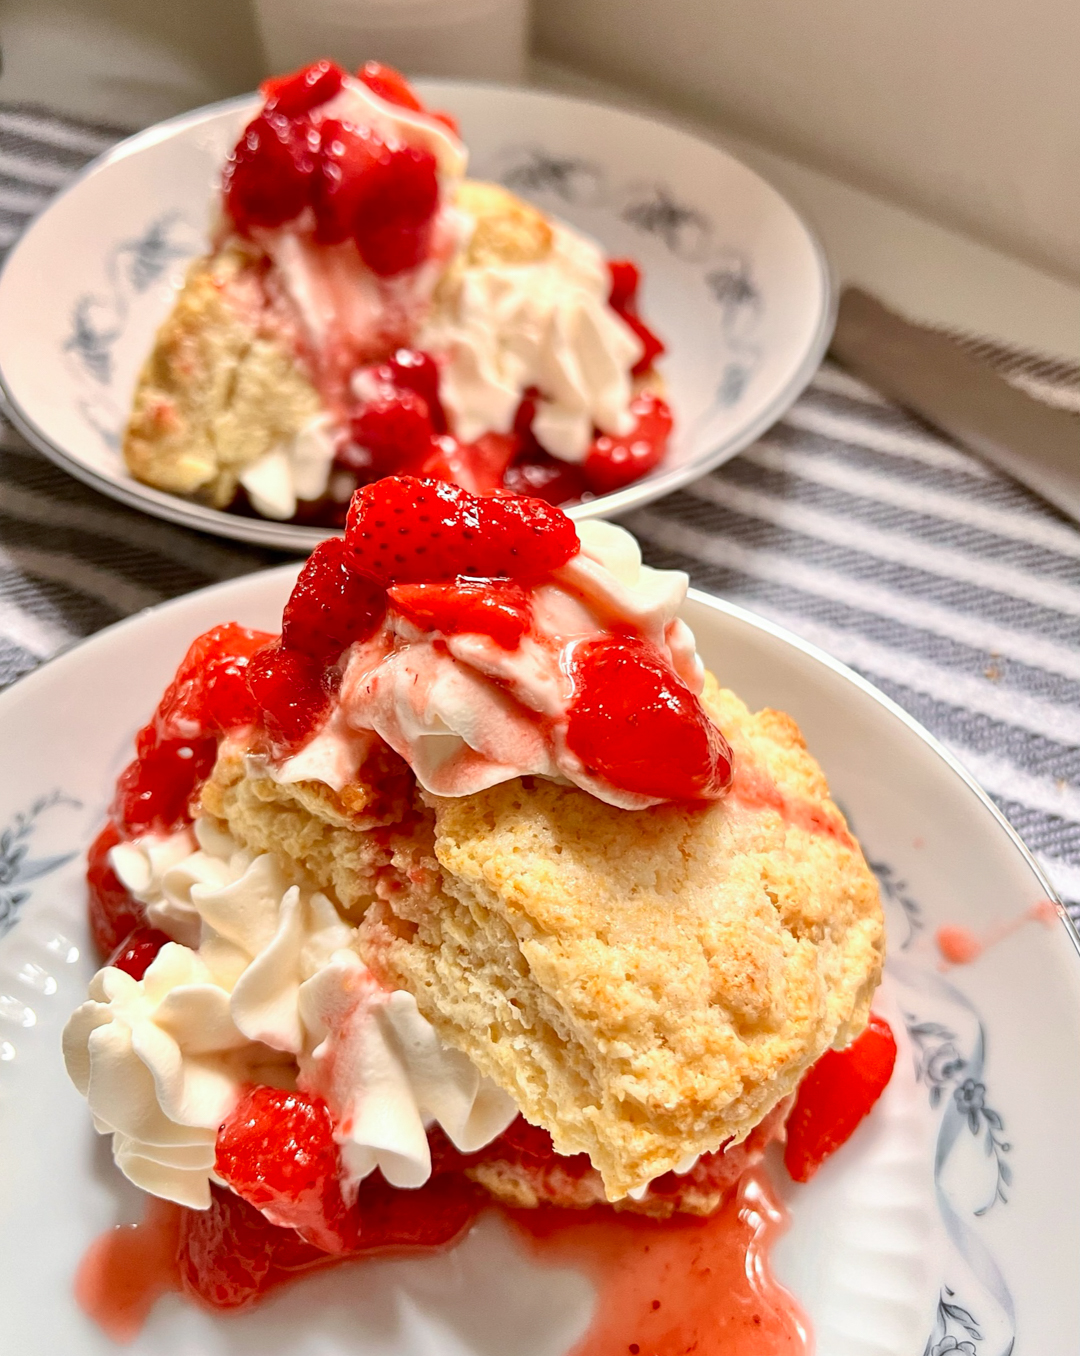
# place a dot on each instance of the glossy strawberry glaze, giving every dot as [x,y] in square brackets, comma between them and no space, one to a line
[700,1286]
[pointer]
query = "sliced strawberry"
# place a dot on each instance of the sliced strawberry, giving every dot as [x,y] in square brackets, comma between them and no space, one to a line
[346,156]
[332,604]
[411,370]
[396,201]
[209,692]
[545,477]
[395,429]
[114,914]
[478,467]
[302,90]
[290,694]
[625,280]
[430,1216]
[490,607]
[389,84]
[230,1255]
[616,460]
[406,530]
[137,952]
[268,177]
[835,1096]
[155,792]
[636,726]
[277,1150]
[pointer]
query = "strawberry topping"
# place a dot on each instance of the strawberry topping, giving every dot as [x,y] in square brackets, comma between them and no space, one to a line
[346,155]
[411,370]
[277,1151]
[615,460]
[137,952]
[290,692]
[405,530]
[301,91]
[231,1255]
[478,467]
[114,914]
[395,430]
[835,1096]
[635,725]
[491,607]
[625,280]
[389,84]
[332,604]
[268,178]
[395,202]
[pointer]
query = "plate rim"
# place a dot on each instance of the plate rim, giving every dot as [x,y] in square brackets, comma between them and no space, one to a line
[297,539]
[710,601]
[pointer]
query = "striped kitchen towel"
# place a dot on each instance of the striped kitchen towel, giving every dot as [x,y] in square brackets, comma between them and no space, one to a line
[946,584]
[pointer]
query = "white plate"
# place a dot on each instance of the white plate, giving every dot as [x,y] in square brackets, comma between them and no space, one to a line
[734,281]
[901,1246]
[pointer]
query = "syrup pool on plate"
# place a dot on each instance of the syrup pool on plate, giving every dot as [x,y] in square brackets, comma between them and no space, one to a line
[678,1286]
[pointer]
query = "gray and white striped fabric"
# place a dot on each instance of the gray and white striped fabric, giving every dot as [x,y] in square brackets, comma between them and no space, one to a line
[947,585]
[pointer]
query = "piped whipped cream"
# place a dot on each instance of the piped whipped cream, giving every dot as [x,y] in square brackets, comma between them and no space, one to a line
[500,328]
[271,991]
[466,714]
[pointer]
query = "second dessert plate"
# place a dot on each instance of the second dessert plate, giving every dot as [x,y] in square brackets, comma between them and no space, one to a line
[734,281]
[950,1224]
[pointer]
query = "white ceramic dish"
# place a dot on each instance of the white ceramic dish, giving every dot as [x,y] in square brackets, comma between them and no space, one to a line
[952,1217]
[734,281]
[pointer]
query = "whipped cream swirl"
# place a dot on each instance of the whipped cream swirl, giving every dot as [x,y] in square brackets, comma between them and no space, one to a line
[500,328]
[271,991]
[466,714]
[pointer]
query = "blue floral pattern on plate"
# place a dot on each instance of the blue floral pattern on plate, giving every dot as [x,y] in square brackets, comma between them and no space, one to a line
[17,868]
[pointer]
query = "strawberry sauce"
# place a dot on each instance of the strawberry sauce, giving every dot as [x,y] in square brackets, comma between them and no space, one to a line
[686,1285]
[127,1269]
[664,1289]
[757,791]
[961,946]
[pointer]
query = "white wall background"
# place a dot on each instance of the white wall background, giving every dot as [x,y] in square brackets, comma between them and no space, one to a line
[968,110]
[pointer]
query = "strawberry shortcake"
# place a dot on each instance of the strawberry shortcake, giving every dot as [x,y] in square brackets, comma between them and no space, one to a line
[366,310]
[471,885]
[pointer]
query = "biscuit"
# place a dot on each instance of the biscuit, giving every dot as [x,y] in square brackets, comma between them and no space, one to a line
[507,230]
[645,984]
[221,387]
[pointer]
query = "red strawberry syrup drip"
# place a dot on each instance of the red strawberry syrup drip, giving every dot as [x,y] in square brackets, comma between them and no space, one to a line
[755,789]
[961,946]
[125,1271]
[684,1285]
[625,281]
